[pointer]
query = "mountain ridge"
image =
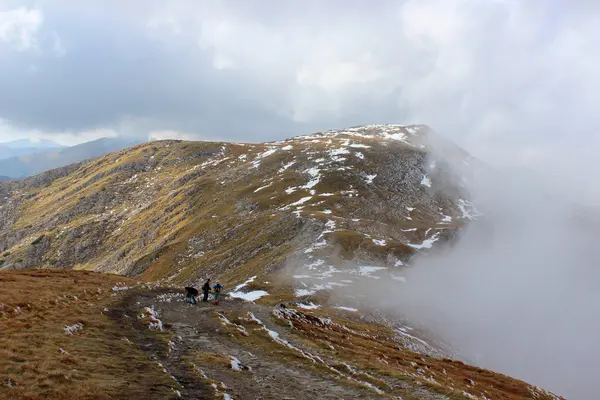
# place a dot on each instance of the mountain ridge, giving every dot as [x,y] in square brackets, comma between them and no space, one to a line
[32,161]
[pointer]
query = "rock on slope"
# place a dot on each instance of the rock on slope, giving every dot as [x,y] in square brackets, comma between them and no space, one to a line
[180,210]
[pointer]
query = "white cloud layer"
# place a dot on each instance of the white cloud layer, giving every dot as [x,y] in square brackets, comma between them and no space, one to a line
[19,27]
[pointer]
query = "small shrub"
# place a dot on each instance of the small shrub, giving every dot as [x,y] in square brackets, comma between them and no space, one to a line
[19,260]
[6,254]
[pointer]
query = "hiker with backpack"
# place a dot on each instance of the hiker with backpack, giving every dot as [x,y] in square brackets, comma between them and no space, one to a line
[191,294]
[205,290]
[217,288]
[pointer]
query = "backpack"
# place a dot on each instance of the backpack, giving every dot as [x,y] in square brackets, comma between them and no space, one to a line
[218,287]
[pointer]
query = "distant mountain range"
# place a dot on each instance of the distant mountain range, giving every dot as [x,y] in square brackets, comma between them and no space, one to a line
[49,155]
[21,147]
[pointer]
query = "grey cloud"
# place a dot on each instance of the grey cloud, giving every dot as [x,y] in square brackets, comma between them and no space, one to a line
[489,75]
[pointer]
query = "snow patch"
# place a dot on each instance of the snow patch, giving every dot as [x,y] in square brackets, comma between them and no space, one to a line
[369,178]
[426,181]
[427,244]
[347,308]
[286,166]
[304,292]
[250,296]
[263,187]
[241,285]
[309,306]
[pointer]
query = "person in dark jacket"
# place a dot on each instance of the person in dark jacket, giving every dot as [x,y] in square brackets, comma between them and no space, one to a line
[217,288]
[205,290]
[191,294]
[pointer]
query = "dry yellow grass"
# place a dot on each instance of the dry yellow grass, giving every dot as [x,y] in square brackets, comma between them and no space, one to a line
[371,348]
[38,359]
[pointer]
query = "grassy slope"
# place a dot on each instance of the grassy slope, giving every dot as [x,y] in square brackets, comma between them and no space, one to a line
[39,360]
[192,208]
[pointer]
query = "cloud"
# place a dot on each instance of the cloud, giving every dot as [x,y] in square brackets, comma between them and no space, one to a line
[19,28]
[163,135]
[519,292]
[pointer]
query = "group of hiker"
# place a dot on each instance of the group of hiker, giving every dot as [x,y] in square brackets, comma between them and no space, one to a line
[192,292]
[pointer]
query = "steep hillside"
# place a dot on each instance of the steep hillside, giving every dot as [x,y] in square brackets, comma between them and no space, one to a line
[27,162]
[182,210]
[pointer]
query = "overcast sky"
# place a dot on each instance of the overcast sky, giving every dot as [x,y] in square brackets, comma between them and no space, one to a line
[512,81]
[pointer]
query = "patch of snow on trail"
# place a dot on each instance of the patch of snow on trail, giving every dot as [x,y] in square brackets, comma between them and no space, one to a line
[288,147]
[152,315]
[379,242]
[250,296]
[121,288]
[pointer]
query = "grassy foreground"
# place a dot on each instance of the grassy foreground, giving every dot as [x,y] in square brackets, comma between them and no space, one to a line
[93,359]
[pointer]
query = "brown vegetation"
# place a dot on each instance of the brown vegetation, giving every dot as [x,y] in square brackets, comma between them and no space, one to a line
[39,359]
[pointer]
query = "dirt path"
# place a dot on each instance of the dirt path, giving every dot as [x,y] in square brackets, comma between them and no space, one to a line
[200,357]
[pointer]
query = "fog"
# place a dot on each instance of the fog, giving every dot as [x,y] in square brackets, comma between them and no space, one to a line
[519,293]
